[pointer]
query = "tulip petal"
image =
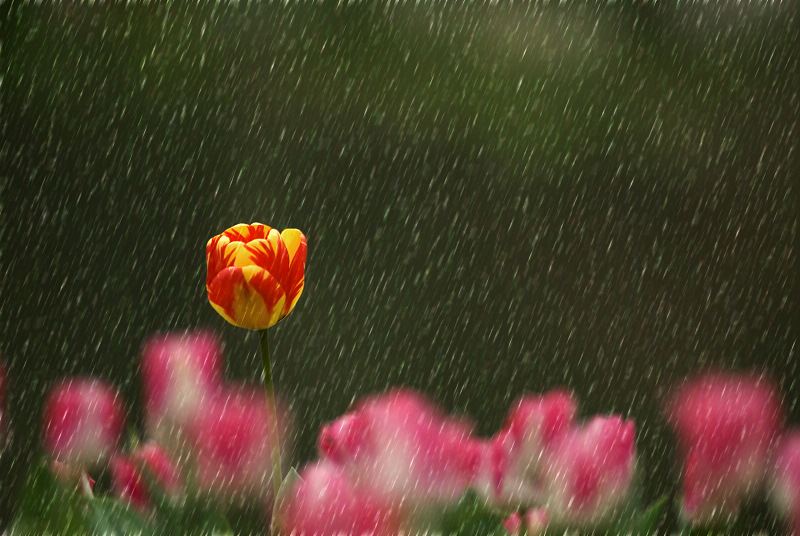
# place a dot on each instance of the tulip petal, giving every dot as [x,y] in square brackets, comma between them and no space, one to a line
[269,254]
[248,297]
[243,232]
[294,283]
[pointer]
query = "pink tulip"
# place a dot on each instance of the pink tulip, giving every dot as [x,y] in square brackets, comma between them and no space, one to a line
[130,484]
[325,503]
[513,457]
[401,448]
[726,426]
[587,473]
[83,422]
[513,524]
[229,441]
[785,492]
[179,371]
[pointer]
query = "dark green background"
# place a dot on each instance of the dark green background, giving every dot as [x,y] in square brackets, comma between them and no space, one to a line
[497,199]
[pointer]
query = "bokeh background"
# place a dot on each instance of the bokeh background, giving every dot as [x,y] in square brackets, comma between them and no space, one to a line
[498,199]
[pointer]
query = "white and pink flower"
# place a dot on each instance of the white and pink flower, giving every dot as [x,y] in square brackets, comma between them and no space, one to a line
[83,422]
[403,450]
[229,445]
[180,370]
[726,427]
[511,471]
[587,473]
[325,503]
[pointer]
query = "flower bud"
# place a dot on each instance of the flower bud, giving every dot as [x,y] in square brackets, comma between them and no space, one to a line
[255,274]
[325,503]
[83,422]
[129,482]
[587,473]
[726,426]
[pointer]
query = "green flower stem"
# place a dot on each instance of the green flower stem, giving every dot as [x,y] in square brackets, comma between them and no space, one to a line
[275,442]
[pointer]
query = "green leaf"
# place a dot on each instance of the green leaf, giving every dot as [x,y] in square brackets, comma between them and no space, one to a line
[176,516]
[471,517]
[289,483]
[650,519]
[46,507]
[110,516]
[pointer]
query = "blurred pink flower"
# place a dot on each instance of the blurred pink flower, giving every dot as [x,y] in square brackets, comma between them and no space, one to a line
[325,503]
[726,426]
[404,450]
[588,472]
[229,445]
[513,457]
[532,523]
[179,371]
[785,488]
[83,422]
[130,484]
[513,524]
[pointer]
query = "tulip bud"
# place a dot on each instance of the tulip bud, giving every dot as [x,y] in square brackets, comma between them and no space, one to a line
[255,274]
[726,427]
[513,524]
[785,489]
[325,503]
[130,484]
[83,422]
[179,371]
[531,427]
[401,448]
[229,442]
[588,472]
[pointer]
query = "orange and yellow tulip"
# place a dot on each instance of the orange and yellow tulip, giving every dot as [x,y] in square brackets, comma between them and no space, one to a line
[255,274]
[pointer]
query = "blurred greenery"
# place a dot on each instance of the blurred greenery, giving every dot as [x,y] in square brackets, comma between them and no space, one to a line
[498,199]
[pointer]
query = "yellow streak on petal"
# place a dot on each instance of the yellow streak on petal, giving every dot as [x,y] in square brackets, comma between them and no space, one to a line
[291,238]
[250,308]
[242,257]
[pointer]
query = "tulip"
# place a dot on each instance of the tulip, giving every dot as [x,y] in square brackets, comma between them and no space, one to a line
[229,442]
[325,503]
[83,422]
[179,371]
[515,454]
[588,472]
[130,484]
[726,428]
[255,277]
[513,524]
[785,489]
[255,274]
[402,449]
